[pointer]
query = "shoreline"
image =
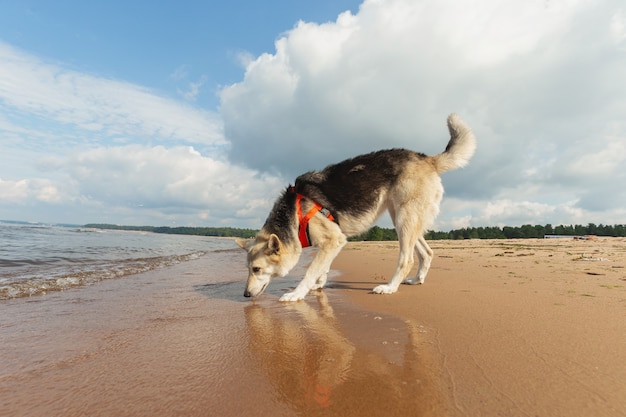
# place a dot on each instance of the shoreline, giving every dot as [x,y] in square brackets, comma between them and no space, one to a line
[500,327]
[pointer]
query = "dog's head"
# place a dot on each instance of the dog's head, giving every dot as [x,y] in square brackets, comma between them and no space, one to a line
[268,257]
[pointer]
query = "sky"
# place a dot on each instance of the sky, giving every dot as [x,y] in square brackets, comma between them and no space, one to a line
[199,113]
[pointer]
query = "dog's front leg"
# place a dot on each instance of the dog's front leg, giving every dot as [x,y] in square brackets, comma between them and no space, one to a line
[318,269]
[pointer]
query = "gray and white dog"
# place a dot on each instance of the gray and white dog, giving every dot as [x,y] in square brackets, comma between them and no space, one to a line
[326,207]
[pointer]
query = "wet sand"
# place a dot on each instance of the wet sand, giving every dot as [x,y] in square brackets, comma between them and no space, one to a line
[185,342]
[500,328]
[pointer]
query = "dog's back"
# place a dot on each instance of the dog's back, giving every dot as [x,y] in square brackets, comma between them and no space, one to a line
[359,189]
[354,185]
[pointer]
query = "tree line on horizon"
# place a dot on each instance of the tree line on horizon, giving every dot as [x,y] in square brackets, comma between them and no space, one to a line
[528,231]
[183,230]
[377,233]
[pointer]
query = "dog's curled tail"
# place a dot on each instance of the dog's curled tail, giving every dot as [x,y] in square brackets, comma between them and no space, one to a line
[460,148]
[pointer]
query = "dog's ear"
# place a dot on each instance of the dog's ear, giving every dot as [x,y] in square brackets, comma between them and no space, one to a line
[273,245]
[243,243]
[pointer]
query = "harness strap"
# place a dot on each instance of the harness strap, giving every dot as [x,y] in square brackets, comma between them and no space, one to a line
[303,220]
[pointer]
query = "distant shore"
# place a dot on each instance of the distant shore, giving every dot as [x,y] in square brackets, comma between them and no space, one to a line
[376,233]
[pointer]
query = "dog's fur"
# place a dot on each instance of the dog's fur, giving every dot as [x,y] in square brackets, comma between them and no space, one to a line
[357,191]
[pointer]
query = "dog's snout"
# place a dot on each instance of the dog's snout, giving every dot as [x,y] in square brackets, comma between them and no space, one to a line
[246,293]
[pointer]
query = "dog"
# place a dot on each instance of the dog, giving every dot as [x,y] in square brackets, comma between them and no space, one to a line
[326,207]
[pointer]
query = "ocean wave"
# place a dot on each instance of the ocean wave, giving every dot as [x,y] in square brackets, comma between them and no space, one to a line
[88,275]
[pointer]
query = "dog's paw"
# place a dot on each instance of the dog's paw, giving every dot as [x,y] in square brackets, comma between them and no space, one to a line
[384,289]
[291,296]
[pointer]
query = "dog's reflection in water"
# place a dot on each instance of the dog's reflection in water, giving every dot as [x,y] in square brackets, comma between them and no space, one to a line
[304,353]
[318,369]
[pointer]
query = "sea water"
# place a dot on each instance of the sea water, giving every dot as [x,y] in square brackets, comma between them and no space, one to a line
[37,258]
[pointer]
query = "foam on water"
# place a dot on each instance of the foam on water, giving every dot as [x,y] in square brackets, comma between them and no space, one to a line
[36,259]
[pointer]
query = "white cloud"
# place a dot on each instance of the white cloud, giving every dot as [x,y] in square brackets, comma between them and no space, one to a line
[602,159]
[244,58]
[94,149]
[177,179]
[508,212]
[389,76]
[27,191]
[33,87]
[180,73]
[618,27]
[541,83]
[193,89]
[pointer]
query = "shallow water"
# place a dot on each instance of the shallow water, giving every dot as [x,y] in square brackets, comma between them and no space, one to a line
[36,259]
[184,341]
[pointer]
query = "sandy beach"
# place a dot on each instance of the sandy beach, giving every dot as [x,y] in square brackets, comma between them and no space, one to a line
[500,328]
[520,327]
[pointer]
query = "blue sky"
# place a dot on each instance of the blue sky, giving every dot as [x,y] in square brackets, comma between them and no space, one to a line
[166,46]
[199,113]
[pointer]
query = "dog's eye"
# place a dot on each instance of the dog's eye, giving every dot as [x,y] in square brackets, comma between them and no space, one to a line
[256,269]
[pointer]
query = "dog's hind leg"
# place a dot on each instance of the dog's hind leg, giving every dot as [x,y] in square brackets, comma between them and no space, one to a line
[405,263]
[408,235]
[320,282]
[425,257]
[318,270]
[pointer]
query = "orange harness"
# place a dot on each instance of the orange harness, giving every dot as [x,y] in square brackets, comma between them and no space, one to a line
[303,221]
